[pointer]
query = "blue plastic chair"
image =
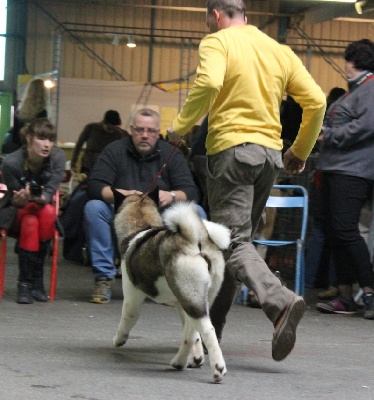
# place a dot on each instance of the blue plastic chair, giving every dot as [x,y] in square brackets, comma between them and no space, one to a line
[298,201]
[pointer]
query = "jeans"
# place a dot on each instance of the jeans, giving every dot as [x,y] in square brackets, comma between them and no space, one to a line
[344,197]
[319,267]
[101,239]
[98,223]
[371,233]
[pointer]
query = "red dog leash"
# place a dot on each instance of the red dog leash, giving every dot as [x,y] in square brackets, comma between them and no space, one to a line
[162,169]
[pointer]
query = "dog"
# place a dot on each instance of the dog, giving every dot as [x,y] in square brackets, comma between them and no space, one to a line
[176,258]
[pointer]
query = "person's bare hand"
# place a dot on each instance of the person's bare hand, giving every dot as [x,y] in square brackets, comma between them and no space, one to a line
[164,198]
[128,192]
[320,138]
[292,164]
[173,137]
[21,197]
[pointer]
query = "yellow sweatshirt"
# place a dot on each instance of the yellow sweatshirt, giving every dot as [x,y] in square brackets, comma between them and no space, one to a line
[241,79]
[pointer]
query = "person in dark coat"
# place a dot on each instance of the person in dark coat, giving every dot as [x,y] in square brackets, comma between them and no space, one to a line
[97,136]
[130,165]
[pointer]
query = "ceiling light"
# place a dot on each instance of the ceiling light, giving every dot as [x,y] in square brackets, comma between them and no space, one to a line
[49,83]
[130,41]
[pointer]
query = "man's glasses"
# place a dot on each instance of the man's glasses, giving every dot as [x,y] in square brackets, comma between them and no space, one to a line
[140,130]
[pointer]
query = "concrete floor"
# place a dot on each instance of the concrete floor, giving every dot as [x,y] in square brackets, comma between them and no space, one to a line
[63,350]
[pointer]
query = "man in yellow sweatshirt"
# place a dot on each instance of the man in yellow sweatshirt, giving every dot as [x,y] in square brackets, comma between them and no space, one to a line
[241,78]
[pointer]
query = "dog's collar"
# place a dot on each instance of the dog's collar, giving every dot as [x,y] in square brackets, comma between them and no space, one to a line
[147,233]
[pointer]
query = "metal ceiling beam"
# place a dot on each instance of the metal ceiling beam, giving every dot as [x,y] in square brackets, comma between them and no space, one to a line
[328,12]
[314,10]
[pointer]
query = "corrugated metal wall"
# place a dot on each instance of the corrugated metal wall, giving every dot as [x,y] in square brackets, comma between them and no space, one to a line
[87,30]
[326,47]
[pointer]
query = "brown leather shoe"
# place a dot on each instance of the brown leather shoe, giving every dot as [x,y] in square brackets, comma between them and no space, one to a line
[284,336]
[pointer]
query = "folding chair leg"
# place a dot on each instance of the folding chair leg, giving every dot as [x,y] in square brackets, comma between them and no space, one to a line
[2,261]
[299,276]
[53,281]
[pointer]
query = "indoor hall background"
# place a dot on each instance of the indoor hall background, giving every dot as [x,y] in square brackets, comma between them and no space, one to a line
[76,40]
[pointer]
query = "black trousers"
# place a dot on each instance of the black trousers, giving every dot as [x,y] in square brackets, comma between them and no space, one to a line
[343,198]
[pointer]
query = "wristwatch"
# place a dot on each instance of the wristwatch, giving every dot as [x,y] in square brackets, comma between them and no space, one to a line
[173,195]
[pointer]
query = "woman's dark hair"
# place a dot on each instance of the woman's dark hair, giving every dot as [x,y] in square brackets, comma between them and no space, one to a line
[112,117]
[361,54]
[40,128]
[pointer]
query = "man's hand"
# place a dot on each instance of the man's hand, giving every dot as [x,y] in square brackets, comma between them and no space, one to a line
[292,164]
[174,138]
[108,196]
[128,192]
[164,198]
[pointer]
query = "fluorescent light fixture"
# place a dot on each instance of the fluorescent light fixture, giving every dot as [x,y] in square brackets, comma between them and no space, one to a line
[130,41]
[358,6]
[364,6]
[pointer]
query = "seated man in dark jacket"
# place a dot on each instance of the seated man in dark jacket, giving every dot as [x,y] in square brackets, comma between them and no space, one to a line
[130,165]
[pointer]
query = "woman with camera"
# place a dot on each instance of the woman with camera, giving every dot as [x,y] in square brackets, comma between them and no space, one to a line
[32,175]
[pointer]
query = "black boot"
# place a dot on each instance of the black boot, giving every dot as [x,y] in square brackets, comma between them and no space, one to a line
[25,276]
[38,292]
[24,293]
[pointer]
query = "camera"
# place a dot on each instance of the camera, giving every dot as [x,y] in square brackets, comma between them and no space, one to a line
[35,189]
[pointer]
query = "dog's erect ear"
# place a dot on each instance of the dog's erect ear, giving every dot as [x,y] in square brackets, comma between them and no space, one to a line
[118,198]
[154,195]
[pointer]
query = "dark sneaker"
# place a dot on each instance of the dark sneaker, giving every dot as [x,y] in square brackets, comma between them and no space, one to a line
[39,295]
[338,306]
[103,291]
[284,336]
[368,299]
[24,293]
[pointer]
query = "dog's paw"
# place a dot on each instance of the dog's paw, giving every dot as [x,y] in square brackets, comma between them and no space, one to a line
[177,363]
[219,372]
[196,357]
[119,341]
[196,362]
[177,366]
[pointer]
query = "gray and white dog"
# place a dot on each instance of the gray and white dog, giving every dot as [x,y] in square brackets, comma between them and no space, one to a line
[176,258]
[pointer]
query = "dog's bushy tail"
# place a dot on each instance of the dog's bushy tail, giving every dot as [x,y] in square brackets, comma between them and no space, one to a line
[219,234]
[183,217]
